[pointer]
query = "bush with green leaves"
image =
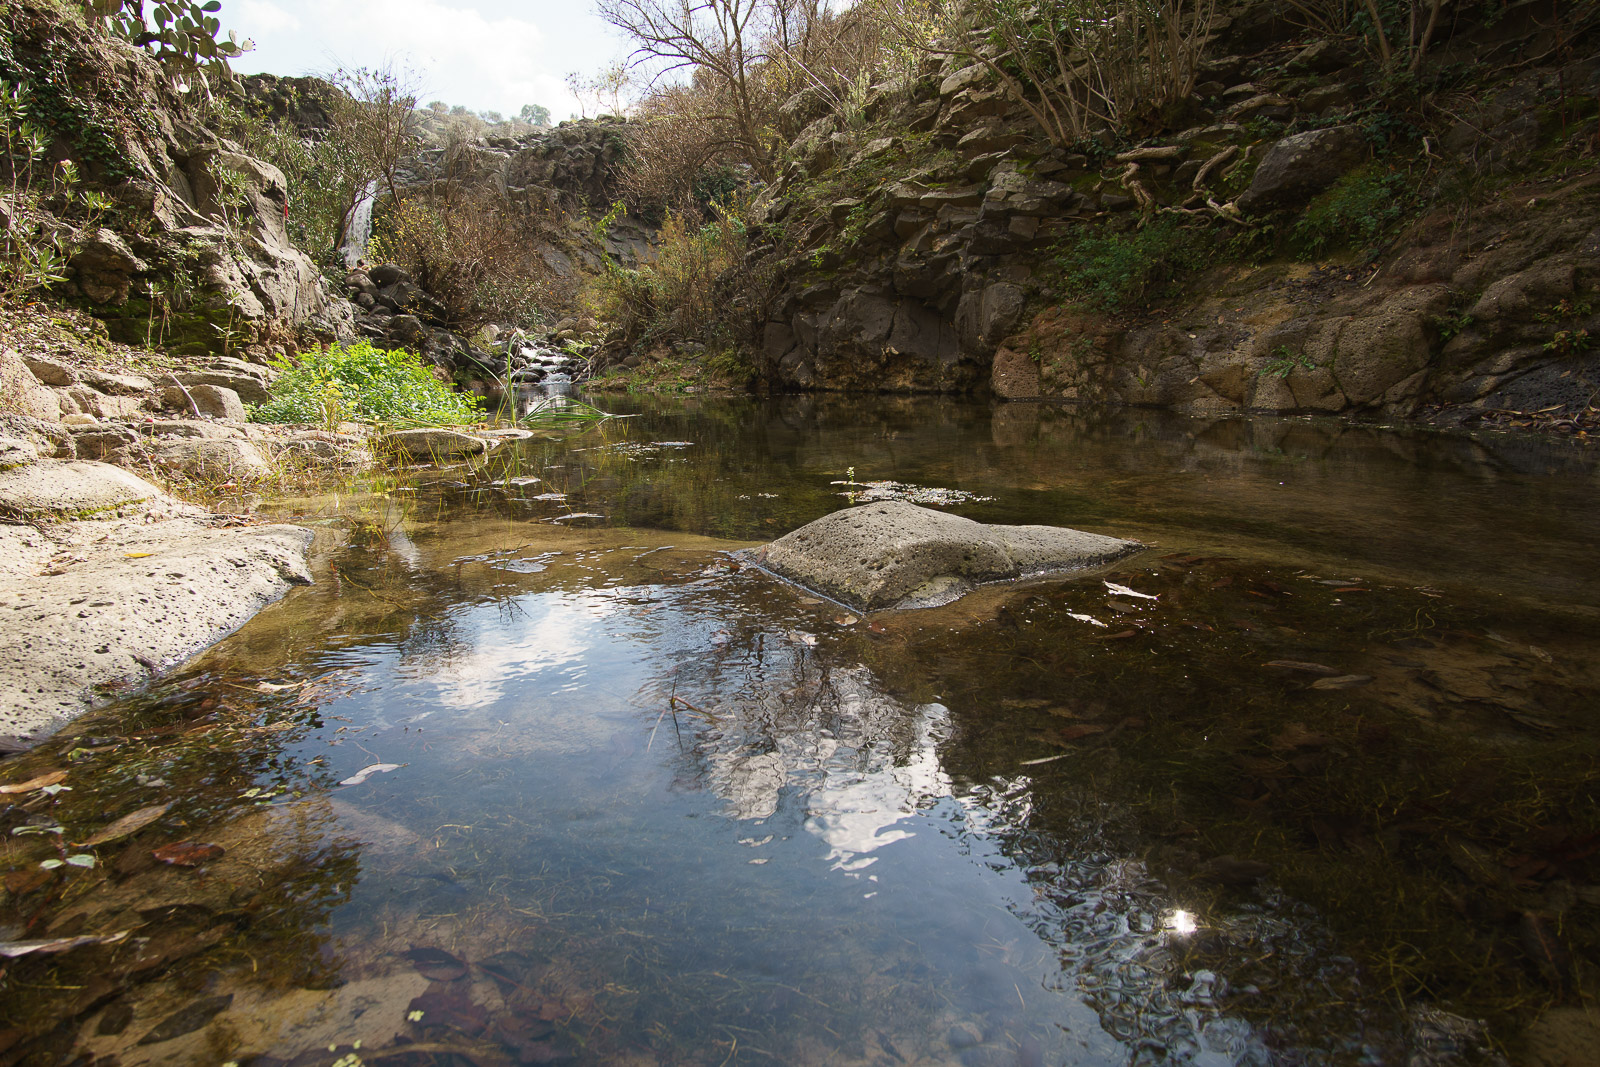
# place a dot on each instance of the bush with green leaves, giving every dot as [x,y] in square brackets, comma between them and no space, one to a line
[361,383]
[1112,270]
[1360,208]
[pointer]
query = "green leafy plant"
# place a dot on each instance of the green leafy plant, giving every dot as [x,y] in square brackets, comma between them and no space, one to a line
[1284,363]
[1452,323]
[38,239]
[1359,209]
[181,34]
[1113,270]
[1568,342]
[362,383]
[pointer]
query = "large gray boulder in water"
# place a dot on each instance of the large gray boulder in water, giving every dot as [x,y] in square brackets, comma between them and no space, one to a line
[899,555]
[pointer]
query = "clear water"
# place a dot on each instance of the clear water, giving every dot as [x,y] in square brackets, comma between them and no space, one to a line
[648,805]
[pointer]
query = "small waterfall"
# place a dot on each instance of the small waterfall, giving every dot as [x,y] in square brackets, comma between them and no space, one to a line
[360,231]
[541,379]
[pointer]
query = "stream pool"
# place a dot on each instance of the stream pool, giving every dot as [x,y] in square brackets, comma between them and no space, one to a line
[539,771]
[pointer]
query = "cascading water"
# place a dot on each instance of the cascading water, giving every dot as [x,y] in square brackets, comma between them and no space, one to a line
[542,379]
[360,231]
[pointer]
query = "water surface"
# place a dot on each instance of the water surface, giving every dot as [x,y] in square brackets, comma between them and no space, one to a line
[539,771]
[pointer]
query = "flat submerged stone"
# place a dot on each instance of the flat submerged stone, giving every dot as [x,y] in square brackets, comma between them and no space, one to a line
[899,555]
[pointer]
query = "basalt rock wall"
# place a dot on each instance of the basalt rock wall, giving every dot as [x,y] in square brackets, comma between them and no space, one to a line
[195,239]
[927,242]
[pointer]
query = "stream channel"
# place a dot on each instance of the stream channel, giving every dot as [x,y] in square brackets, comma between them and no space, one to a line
[539,771]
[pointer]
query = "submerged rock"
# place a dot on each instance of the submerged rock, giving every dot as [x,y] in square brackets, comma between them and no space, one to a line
[899,555]
[432,444]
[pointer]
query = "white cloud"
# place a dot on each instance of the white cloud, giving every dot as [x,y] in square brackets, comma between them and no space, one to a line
[265,15]
[484,54]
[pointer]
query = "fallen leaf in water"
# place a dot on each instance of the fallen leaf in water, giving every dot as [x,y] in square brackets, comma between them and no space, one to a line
[448,1009]
[1350,589]
[1342,681]
[1223,582]
[50,946]
[509,969]
[35,783]
[1090,619]
[270,687]
[188,1019]
[1535,723]
[1122,590]
[128,825]
[1086,729]
[188,853]
[1122,606]
[367,772]
[1544,947]
[1231,871]
[1296,735]
[1301,665]
[435,964]
[1540,654]
[1120,636]
[25,880]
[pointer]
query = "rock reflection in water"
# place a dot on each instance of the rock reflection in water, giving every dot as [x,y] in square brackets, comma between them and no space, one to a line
[1318,802]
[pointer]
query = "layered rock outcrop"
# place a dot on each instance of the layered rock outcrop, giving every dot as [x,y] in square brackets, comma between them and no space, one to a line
[196,238]
[932,248]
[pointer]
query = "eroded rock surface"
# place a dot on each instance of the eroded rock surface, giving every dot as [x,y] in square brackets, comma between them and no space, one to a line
[90,606]
[899,555]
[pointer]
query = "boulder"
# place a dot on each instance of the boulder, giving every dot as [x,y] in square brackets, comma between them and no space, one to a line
[56,488]
[250,388]
[51,371]
[100,405]
[23,392]
[117,384]
[219,402]
[15,452]
[1303,165]
[234,460]
[1015,376]
[109,442]
[898,555]
[188,428]
[106,266]
[432,444]
[145,595]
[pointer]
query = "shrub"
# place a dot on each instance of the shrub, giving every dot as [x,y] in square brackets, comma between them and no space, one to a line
[361,383]
[470,253]
[1357,210]
[700,285]
[1112,270]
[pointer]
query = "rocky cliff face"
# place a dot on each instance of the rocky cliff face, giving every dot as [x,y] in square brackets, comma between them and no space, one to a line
[928,242]
[195,248]
[548,186]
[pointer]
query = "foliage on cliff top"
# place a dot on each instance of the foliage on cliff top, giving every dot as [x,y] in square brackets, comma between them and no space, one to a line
[181,34]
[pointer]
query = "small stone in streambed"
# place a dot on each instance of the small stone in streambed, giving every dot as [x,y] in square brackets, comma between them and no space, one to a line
[187,1020]
[964,1035]
[116,1018]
